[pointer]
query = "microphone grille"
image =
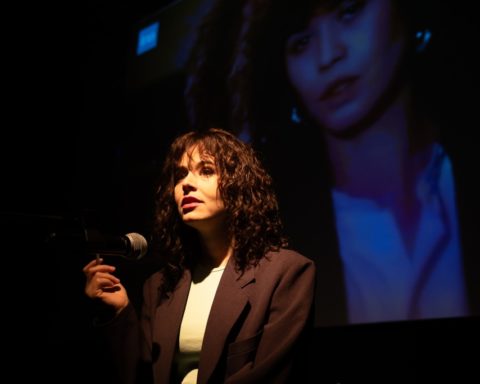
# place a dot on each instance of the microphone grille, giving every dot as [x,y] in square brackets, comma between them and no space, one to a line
[139,246]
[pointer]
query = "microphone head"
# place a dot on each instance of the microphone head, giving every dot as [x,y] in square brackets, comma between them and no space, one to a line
[138,246]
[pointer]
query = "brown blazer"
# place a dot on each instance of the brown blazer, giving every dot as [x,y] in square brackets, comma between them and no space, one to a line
[254,330]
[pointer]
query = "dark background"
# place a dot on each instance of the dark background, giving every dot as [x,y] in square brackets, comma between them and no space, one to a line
[79,149]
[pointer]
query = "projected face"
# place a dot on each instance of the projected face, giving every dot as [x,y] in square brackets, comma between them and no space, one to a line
[341,63]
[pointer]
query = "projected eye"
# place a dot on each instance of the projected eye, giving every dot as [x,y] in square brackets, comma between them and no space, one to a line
[298,43]
[347,10]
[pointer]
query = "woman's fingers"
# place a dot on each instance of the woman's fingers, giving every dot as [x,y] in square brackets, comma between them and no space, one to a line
[91,268]
[103,279]
[92,263]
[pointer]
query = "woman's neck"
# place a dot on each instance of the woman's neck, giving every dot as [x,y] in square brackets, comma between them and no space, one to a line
[217,247]
[379,161]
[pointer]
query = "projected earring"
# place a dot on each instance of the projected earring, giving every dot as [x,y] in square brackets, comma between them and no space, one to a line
[295,116]
[422,38]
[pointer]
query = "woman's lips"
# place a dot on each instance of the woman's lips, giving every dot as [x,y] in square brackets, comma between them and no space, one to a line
[189,203]
[189,200]
[339,92]
[188,208]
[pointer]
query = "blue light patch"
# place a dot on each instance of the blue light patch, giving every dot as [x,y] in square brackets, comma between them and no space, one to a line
[147,38]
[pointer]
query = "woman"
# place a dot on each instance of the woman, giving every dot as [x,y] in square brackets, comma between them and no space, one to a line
[230,303]
[338,92]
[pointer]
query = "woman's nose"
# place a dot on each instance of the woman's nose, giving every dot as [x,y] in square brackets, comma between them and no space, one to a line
[188,184]
[187,188]
[330,48]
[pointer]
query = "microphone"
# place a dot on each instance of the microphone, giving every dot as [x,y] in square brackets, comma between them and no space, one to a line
[131,246]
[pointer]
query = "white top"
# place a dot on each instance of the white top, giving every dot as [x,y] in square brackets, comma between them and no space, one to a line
[384,280]
[200,298]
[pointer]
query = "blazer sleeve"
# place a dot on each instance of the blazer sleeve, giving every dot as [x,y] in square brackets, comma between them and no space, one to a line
[282,343]
[127,340]
[119,343]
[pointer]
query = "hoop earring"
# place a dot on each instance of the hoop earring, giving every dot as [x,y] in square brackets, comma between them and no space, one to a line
[422,38]
[295,116]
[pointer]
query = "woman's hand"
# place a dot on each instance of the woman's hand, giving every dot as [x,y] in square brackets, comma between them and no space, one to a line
[101,284]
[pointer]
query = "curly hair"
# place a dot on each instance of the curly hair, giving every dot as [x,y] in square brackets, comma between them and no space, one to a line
[237,76]
[246,189]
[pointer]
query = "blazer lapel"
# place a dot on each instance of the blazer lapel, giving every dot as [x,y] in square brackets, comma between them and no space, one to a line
[229,302]
[168,317]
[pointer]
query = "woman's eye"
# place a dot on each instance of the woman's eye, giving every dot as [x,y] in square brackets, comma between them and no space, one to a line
[207,171]
[180,173]
[348,9]
[298,43]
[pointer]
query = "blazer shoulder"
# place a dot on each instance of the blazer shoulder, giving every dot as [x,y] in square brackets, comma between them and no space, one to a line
[290,254]
[288,257]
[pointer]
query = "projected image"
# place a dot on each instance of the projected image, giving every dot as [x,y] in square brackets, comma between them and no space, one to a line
[341,100]
[330,90]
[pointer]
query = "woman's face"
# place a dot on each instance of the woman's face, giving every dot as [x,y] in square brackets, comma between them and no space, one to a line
[341,64]
[196,191]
